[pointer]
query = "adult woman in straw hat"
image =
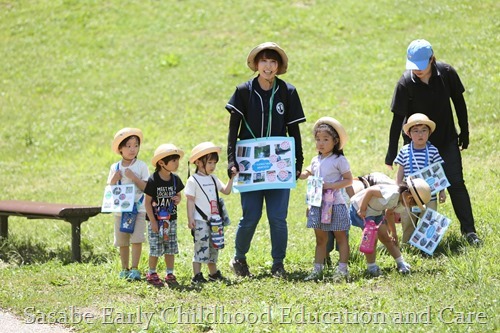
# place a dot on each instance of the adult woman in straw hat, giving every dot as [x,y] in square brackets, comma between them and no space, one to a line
[372,203]
[262,107]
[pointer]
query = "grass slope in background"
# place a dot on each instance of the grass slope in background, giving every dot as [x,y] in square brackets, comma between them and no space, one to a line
[73,73]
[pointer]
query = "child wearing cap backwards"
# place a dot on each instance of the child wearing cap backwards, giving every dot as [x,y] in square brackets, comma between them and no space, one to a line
[162,197]
[418,154]
[127,143]
[371,204]
[334,170]
[202,204]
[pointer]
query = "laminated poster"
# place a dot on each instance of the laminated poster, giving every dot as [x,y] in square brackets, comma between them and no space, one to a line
[265,163]
[429,231]
[118,198]
[434,176]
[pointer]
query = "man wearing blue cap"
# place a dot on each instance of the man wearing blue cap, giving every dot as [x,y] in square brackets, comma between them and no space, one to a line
[427,87]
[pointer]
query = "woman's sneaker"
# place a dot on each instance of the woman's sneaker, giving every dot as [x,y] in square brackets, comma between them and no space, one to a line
[404,268]
[134,275]
[171,280]
[278,270]
[198,278]
[240,267]
[154,280]
[215,277]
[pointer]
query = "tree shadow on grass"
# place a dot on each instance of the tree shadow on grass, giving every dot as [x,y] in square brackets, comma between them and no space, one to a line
[18,252]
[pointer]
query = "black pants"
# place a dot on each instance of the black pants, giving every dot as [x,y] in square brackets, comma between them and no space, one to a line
[458,192]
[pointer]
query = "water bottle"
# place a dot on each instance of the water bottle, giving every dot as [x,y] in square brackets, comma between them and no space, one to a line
[369,237]
[326,207]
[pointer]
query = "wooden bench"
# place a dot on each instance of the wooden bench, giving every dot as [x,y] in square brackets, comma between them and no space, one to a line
[74,214]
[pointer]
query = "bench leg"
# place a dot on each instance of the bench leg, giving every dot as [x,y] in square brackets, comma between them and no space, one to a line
[76,252]
[4,226]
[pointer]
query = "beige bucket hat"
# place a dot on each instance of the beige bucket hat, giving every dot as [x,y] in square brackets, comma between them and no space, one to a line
[165,150]
[203,149]
[418,119]
[337,126]
[271,46]
[420,191]
[122,135]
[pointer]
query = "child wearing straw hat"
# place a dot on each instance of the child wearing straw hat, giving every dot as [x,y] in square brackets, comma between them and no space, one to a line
[127,143]
[332,169]
[372,203]
[162,197]
[202,207]
[418,154]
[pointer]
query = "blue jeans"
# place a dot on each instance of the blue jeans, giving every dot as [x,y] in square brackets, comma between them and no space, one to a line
[276,209]
[458,192]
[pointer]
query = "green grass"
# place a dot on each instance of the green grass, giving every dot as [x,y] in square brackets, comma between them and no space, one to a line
[72,73]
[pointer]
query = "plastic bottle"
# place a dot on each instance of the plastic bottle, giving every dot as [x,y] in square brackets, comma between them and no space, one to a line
[369,237]
[326,207]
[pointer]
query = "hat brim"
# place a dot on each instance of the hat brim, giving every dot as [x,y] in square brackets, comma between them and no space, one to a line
[337,126]
[204,152]
[415,194]
[164,154]
[409,125]
[268,46]
[417,65]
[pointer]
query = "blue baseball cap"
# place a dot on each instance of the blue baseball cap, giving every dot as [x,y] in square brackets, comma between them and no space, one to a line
[418,54]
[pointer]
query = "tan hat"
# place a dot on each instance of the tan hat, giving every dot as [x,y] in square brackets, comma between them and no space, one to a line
[271,46]
[203,149]
[336,126]
[122,135]
[418,119]
[165,150]
[420,191]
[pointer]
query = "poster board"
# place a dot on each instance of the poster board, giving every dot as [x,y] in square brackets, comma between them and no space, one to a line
[265,163]
[118,198]
[429,231]
[434,176]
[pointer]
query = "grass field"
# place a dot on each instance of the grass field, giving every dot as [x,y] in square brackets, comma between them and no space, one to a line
[72,73]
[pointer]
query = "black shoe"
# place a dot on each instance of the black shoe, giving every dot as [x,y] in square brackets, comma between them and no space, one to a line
[240,267]
[215,277]
[198,278]
[473,239]
[278,270]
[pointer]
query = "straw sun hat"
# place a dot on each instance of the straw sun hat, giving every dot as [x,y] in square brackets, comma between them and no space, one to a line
[165,150]
[269,46]
[418,119]
[420,191]
[203,149]
[337,126]
[123,134]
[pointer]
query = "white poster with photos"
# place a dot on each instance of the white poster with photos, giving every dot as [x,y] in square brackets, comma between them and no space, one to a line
[429,231]
[265,163]
[434,176]
[118,198]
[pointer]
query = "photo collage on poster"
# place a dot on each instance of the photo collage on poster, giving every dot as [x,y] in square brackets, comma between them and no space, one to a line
[265,163]
[118,198]
[434,176]
[429,231]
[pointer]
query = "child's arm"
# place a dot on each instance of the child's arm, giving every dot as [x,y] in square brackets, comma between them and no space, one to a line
[151,215]
[372,191]
[141,184]
[190,211]
[305,174]
[117,176]
[442,196]
[346,181]
[226,189]
[400,175]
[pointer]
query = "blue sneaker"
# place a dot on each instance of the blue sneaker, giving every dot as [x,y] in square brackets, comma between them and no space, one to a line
[124,274]
[404,268]
[374,271]
[134,275]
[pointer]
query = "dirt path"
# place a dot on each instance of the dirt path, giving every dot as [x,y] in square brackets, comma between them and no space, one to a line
[12,324]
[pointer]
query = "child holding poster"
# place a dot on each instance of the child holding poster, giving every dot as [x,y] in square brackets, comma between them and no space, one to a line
[416,155]
[330,169]
[129,170]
